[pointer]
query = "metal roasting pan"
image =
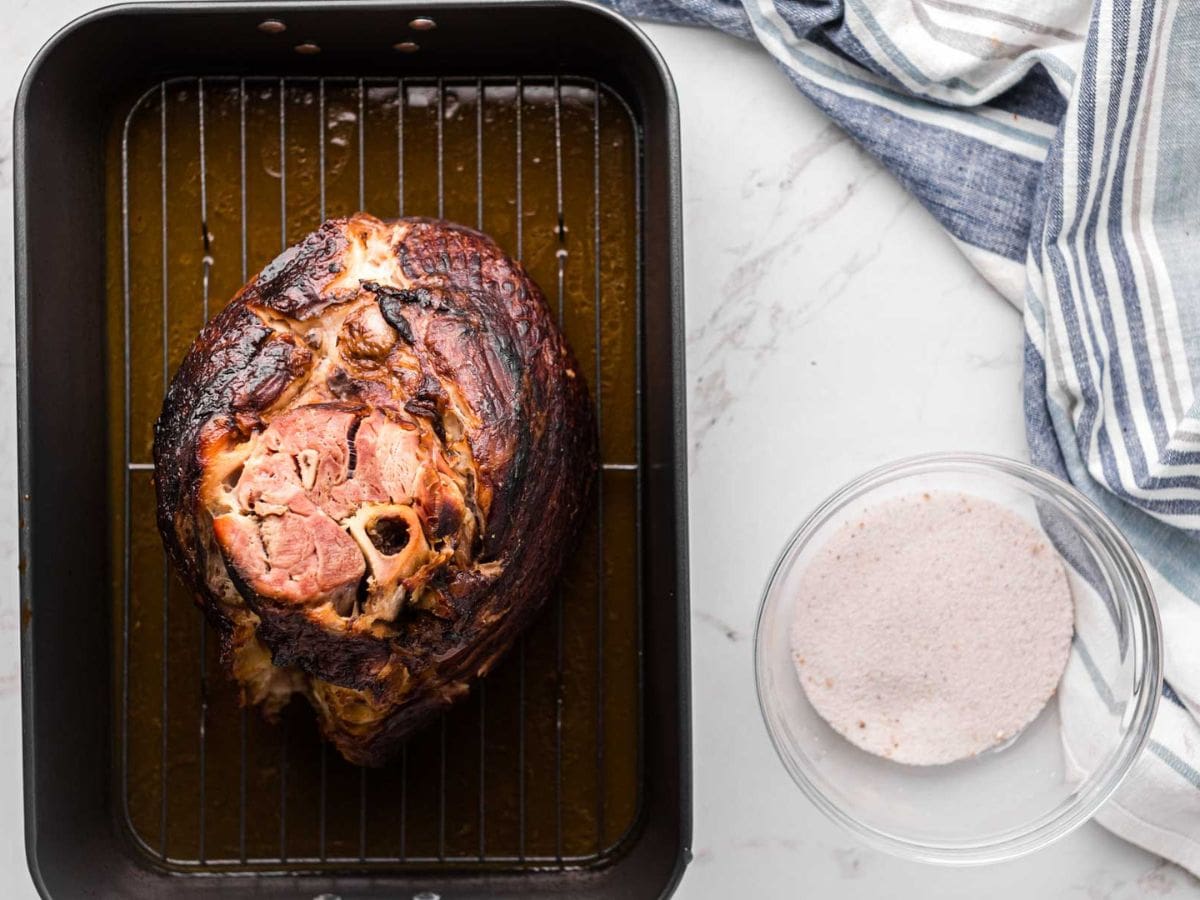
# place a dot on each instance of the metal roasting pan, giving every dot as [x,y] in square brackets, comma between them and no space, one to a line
[164,152]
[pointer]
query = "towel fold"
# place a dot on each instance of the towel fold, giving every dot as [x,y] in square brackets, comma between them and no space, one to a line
[1058,142]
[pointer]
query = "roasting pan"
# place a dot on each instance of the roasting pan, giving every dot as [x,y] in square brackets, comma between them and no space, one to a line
[163,153]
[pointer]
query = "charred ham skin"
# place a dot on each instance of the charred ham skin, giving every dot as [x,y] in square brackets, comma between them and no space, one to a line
[370,467]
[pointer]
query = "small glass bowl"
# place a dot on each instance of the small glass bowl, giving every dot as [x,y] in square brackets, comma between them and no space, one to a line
[1029,792]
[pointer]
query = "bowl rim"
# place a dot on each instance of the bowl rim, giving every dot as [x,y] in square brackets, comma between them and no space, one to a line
[1146,647]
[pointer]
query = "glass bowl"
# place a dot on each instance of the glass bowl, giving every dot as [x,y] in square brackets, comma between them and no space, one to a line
[1044,782]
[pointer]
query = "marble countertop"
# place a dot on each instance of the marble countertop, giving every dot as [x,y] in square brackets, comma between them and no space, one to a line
[831,326]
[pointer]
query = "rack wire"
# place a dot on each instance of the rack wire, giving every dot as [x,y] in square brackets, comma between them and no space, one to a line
[597,118]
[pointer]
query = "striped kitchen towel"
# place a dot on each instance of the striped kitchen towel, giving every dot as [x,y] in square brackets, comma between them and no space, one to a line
[1058,142]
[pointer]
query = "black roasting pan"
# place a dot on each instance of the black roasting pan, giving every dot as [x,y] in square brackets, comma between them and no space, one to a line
[131,791]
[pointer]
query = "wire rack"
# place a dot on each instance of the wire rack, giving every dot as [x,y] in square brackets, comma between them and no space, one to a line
[542,767]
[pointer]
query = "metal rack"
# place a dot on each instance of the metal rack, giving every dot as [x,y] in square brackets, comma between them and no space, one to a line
[624,471]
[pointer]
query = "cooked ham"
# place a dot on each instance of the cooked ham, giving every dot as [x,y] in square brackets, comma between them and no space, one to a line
[369,467]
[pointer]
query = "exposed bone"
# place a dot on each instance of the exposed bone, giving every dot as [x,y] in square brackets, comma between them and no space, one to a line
[385,592]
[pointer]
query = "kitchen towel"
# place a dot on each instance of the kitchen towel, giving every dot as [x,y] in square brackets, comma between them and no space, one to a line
[1058,142]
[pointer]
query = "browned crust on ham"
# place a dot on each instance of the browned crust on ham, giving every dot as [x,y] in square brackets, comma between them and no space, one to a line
[403,374]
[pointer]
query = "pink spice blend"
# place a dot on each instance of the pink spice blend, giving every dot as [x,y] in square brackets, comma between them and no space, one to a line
[932,627]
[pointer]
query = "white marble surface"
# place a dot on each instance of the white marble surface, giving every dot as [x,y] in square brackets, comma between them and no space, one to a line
[831,326]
